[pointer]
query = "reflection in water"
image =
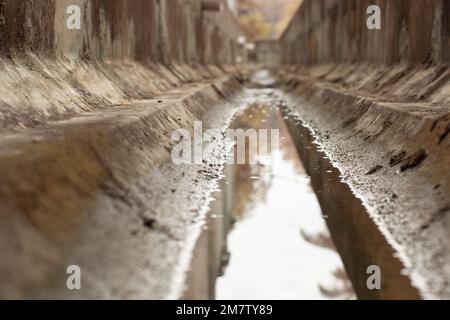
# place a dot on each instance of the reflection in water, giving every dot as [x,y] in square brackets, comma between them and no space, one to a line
[280,247]
[342,287]
[252,181]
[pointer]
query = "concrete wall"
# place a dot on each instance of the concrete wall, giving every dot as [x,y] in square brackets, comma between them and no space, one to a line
[144,30]
[413,31]
[268,52]
[86,118]
[128,49]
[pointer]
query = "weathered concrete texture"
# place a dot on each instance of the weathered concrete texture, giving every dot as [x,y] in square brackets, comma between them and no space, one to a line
[131,49]
[86,118]
[377,101]
[416,31]
[356,237]
[99,191]
[392,151]
[268,52]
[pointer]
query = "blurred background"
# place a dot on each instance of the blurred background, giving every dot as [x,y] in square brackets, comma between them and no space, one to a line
[264,19]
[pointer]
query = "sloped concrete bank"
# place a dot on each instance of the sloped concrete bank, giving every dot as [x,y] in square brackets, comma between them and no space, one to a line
[380,171]
[124,51]
[377,103]
[394,156]
[86,118]
[356,237]
[99,191]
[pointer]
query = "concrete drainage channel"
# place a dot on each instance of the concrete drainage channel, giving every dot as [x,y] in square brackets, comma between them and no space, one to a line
[86,118]
[146,252]
[356,237]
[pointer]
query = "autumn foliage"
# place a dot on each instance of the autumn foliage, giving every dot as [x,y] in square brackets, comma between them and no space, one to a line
[266,19]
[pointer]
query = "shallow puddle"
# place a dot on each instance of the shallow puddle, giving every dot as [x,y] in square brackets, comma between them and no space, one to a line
[279,247]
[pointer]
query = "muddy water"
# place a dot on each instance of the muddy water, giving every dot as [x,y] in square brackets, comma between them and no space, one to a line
[279,247]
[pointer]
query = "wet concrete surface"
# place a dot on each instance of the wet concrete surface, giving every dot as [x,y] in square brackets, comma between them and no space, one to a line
[85,118]
[357,234]
[147,251]
[278,247]
[101,192]
[357,238]
[390,157]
